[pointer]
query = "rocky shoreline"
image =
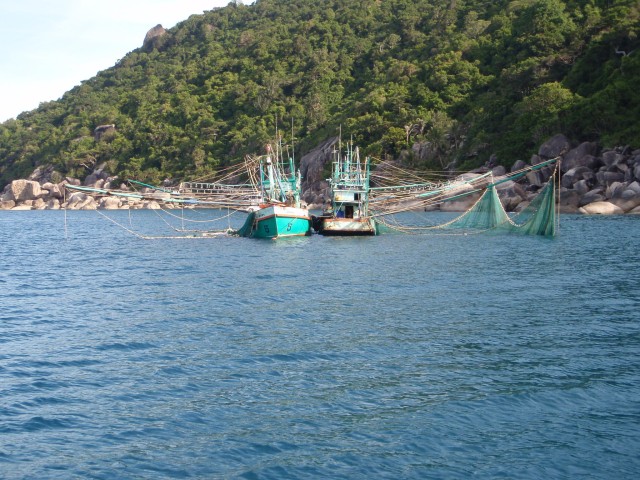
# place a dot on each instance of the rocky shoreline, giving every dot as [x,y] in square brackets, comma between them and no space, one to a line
[31,195]
[592,181]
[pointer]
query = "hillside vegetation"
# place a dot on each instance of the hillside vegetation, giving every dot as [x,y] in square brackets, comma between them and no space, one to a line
[463,78]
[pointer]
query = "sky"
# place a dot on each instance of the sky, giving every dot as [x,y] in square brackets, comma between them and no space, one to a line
[47,47]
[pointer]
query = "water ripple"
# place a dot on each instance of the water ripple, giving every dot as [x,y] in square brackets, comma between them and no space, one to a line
[391,357]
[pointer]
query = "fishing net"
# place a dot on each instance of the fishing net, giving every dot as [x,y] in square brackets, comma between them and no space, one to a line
[245,230]
[488,215]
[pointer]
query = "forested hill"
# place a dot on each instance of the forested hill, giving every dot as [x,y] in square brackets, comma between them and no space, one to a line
[469,78]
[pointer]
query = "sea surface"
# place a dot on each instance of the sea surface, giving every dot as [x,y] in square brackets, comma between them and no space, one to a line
[398,356]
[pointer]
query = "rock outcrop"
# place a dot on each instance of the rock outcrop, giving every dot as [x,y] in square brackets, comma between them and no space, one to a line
[102,131]
[23,190]
[30,194]
[153,38]
[602,208]
[313,168]
[607,183]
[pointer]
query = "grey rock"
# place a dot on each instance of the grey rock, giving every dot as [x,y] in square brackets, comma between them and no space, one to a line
[535,178]
[569,201]
[576,174]
[95,179]
[547,172]
[581,186]
[635,187]
[53,204]
[312,166]
[628,195]
[627,200]
[460,205]
[577,157]
[554,147]
[109,203]
[22,190]
[511,195]
[73,181]
[628,176]
[498,171]
[88,204]
[592,196]
[601,208]
[591,162]
[615,189]
[153,36]
[612,158]
[518,165]
[480,170]
[91,180]
[54,190]
[422,150]
[622,167]
[76,199]
[611,177]
[42,174]
[535,160]
[101,130]
[151,205]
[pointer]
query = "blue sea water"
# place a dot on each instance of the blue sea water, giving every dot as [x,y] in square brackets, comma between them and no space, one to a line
[399,356]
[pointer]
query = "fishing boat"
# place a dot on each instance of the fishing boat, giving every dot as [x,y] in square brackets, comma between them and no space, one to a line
[348,214]
[280,212]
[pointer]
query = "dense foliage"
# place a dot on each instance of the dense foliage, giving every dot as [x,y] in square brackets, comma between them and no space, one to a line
[466,78]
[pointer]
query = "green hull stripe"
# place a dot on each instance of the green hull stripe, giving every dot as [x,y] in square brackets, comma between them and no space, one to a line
[281,227]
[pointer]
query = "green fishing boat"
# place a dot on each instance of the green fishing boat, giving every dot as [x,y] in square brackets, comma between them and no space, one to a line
[280,213]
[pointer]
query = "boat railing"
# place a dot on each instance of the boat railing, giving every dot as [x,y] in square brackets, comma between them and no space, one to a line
[213,188]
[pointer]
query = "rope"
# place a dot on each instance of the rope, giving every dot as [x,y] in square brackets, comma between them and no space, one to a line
[120,225]
[158,237]
[558,169]
[183,218]
[64,200]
